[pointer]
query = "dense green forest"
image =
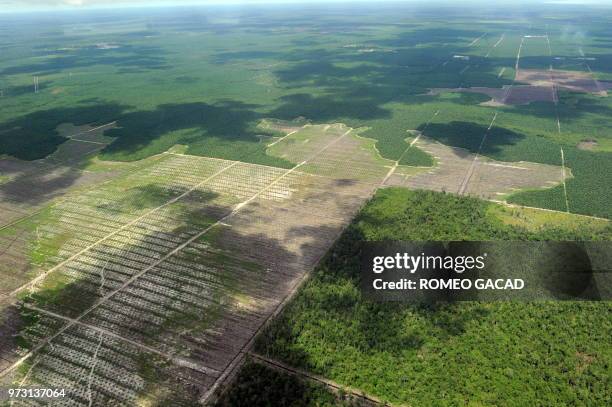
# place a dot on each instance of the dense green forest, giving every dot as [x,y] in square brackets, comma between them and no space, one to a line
[260,386]
[473,353]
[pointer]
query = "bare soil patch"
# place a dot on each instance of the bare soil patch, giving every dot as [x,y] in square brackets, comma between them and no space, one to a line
[283,126]
[588,144]
[574,81]
[490,179]
[515,95]
[539,87]
[522,95]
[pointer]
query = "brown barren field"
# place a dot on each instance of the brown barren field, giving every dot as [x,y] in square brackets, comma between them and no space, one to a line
[489,179]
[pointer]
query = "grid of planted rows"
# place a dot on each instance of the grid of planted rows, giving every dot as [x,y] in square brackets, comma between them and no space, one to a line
[195,279]
[97,369]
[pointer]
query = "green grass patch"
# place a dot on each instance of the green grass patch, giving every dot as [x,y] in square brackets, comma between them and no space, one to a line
[58,292]
[416,157]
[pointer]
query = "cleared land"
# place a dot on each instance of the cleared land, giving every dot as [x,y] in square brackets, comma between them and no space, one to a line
[459,171]
[183,260]
[29,186]
[542,85]
[574,81]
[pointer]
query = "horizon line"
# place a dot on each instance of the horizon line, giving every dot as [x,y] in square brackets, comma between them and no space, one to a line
[69,6]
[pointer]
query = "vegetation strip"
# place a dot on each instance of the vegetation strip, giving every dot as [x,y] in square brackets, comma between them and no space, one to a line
[412,143]
[563,178]
[513,205]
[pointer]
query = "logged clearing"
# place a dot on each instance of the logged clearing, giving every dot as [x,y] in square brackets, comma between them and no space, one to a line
[348,157]
[175,265]
[587,145]
[282,126]
[29,186]
[535,85]
[575,81]
[507,95]
[459,171]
